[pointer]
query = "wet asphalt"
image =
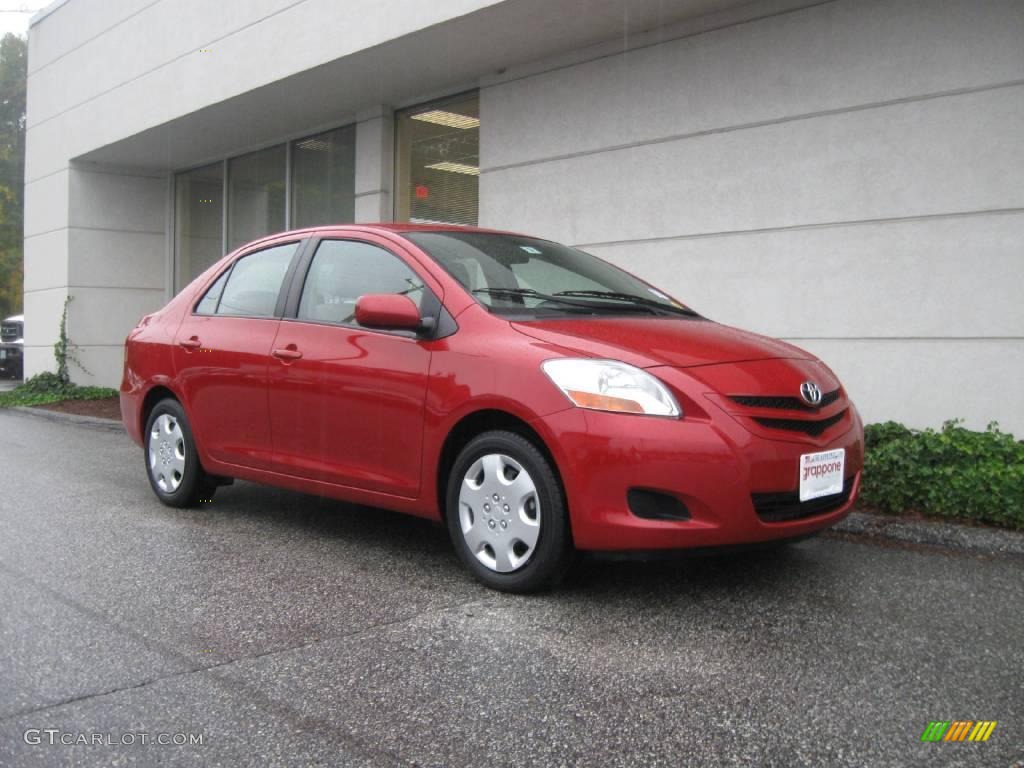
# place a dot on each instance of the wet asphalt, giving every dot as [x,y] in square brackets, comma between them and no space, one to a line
[289,630]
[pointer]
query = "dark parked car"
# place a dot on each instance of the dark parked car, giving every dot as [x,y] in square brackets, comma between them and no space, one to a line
[12,344]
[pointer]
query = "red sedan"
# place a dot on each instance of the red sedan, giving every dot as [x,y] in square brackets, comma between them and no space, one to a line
[530,396]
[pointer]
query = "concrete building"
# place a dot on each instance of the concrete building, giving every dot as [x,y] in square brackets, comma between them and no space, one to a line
[847,174]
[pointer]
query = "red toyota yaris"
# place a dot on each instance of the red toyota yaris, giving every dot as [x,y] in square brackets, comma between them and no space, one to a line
[532,397]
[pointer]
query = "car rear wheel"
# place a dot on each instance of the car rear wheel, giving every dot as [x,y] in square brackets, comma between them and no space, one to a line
[172,463]
[507,514]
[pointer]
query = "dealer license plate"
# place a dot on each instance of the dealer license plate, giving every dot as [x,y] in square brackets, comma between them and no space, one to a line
[821,474]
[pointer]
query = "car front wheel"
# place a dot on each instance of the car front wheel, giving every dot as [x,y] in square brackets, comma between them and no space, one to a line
[507,513]
[172,463]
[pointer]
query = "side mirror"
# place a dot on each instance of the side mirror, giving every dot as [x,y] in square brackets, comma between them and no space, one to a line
[388,311]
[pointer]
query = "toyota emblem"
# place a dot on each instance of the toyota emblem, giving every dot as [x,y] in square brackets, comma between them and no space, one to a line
[810,392]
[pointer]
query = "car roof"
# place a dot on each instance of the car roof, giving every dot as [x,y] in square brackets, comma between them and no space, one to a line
[15,319]
[403,227]
[393,228]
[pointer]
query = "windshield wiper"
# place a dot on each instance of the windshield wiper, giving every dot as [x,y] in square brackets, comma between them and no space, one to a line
[511,292]
[630,298]
[564,298]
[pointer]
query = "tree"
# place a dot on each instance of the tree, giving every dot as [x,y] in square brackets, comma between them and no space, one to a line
[13,82]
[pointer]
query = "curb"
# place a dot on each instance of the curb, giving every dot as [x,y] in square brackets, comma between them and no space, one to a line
[69,418]
[978,540]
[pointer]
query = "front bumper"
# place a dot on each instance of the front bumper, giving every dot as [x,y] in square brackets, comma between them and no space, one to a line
[710,462]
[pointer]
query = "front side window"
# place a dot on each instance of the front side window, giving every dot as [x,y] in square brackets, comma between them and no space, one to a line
[252,285]
[344,270]
[526,276]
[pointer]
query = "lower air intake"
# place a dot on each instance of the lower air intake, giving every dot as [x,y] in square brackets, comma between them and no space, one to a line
[653,505]
[780,507]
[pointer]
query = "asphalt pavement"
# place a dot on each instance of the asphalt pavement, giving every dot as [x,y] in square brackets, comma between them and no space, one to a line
[283,629]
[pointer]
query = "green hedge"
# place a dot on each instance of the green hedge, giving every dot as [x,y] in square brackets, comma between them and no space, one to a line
[954,472]
[46,388]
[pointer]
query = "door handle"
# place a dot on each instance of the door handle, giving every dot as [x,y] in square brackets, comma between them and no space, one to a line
[192,343]
[288,353]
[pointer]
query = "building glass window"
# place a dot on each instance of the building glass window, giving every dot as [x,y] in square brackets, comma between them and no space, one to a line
[319,180]
[198,221]
[438,162]
[323,179]
[256,195]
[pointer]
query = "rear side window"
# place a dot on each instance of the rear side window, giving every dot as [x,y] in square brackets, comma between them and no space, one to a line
[252,285]
[344,270]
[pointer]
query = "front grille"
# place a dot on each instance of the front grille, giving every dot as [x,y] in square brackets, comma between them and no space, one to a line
[807,426]
[784,403]
[780,507]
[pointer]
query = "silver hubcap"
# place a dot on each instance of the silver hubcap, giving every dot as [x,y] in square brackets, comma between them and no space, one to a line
[167,453]
[499,512]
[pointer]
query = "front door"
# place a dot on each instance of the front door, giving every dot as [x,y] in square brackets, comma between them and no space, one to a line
[221,354]
[346,402]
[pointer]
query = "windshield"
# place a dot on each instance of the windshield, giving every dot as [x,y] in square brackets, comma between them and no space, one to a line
[517,275]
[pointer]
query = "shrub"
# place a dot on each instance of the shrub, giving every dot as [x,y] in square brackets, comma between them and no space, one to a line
[47,387]
[877,435]
[953,472]
[45,383]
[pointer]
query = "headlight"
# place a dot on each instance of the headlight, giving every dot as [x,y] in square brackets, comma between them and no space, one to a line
[608,385]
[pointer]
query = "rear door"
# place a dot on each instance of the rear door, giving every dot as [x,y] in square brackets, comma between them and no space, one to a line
[222,351]
[347,402]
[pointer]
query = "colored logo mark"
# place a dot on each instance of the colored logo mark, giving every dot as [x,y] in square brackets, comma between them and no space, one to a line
[958,730]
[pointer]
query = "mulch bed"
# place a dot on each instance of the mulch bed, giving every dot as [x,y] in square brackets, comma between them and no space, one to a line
[107,408]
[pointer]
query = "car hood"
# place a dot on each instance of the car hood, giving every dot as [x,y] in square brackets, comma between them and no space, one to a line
[651,341]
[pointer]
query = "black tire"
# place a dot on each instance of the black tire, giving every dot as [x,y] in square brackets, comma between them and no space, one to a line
[552,553]
[196,486]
